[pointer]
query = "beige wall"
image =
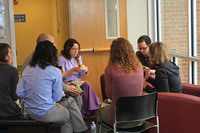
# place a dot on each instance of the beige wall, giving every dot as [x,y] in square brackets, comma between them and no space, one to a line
[89,30]
[63,23]
[137,20]
[40,18]
[46,16]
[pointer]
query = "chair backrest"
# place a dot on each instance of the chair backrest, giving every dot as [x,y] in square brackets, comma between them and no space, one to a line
[136,108]
[191,89]
[178,113]
[102,81]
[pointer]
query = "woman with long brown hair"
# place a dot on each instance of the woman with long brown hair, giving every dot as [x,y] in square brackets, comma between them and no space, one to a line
[123,77]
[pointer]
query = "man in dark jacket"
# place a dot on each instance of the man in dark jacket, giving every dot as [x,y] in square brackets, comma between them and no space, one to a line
[143,50]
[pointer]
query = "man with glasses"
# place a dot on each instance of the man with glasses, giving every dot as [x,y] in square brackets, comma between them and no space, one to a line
[143,50]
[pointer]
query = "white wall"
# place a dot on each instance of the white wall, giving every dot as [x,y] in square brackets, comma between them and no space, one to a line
[137,20]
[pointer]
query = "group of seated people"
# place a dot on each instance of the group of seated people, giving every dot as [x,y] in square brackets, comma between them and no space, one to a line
[155,59]
[45,77]
[69,63]
[126,71]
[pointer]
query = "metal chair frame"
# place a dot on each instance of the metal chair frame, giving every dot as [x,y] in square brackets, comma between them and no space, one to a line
[135,109]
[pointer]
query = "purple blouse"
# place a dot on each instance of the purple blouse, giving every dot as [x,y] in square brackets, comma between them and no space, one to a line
[69,64]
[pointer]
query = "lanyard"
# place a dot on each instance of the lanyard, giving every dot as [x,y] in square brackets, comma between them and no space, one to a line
[79,73]
[71,63]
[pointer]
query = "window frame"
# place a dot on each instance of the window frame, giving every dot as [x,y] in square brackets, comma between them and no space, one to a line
[106,20]
[154,19]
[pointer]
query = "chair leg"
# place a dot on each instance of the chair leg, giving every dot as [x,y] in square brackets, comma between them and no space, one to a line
[157,120]
[47,129]
[114,128]
[99,128]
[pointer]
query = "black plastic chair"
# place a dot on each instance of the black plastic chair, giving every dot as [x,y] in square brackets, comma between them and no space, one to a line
[135,109]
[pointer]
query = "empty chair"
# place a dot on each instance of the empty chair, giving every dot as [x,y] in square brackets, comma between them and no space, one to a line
[102,82]
[134,109]
[178,113]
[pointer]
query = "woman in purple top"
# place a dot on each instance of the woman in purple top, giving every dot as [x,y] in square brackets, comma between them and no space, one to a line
[71,63]
[123,77]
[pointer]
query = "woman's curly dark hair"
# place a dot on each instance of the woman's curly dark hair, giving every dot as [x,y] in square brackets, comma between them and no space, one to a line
[4,51]
[122,54]
[67,46]
[45,54]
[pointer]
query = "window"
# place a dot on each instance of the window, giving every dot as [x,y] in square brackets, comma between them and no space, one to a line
[177,24]
[198,37]
[174,30]
[174,25]
[112,19]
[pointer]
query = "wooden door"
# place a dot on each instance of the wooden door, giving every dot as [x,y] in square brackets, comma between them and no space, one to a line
[63,23]
[87,20]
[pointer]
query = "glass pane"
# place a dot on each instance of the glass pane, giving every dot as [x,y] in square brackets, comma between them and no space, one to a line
[2,19]
[198,27]
[198,73]
[174,24]
[184,70]
[112,18]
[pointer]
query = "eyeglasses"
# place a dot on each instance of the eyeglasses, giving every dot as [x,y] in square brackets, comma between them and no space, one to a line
[75,49]
[142,48]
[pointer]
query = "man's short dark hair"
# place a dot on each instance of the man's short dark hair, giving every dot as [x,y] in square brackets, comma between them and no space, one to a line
[144,38]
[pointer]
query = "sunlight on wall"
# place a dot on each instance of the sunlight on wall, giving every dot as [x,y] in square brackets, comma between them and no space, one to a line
[39,16]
